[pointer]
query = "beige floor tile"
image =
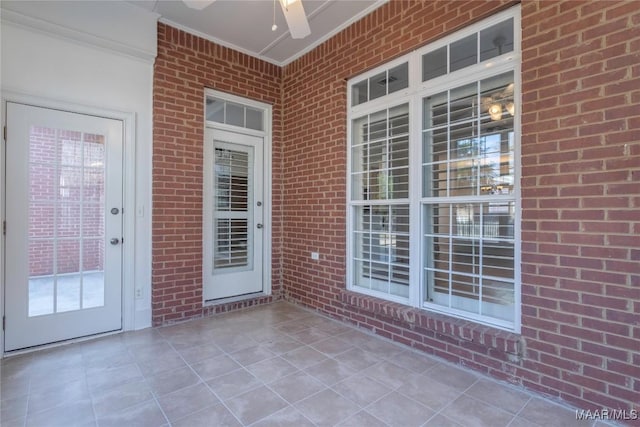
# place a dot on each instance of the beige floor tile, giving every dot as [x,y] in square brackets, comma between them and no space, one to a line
[107,360]
[200,352]
[16,422]
[327,408]
[78,413]
[255,405]
[170,381]
[310,335]
[186,401]
[281,343]
[147,414]
[287,417]
[304,357]
[113,377]
[355,337]
[14,388]
[500,395]
[145,352]
[271,369]
[54,395]
[398,410]
[362,419]
[330,371]
[465,408]
[413,361]
[121,397]
[57,376]
[381,348]
[429,392]
[545,413]
[251,355]
[452,376]
[233,384]
[10,409]
[234,342]
[357,359]
[297,386]
[161,363]
[389,374]
[440,420]
[332,346]
[362,389]
[216,415]
[215,367]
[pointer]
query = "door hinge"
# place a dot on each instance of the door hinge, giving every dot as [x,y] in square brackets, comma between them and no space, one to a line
[4,133]
[4,322]
[4,228]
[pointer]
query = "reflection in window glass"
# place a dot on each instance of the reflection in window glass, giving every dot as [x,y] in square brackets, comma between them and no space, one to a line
[434,64]
[496,40]
[463,53]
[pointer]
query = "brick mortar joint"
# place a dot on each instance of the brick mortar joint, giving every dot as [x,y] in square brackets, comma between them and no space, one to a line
[508,342]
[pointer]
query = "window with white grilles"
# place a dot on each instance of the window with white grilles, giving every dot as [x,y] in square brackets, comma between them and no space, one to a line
[433,176]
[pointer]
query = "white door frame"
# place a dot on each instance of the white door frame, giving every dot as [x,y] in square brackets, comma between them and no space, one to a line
[207,217]
[128,195]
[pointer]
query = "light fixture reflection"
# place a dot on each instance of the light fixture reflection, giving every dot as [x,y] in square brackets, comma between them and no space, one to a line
[495,111]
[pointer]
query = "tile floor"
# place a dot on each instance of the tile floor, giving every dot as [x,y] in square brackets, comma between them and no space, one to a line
[275,365]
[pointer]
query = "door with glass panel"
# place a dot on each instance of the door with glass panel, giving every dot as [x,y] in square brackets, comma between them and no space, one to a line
[233,215]
[63,276]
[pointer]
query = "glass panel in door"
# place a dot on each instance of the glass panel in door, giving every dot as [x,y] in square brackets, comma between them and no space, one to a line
[66,220]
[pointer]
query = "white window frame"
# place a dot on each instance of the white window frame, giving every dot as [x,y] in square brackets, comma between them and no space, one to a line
[413,95]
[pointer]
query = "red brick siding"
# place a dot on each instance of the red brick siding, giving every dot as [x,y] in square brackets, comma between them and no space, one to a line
[580,172]
[185,66]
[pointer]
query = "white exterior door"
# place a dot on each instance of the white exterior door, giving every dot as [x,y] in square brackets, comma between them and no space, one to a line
[63,226]
[233,231]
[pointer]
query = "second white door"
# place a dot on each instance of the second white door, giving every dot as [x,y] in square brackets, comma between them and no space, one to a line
[233,215]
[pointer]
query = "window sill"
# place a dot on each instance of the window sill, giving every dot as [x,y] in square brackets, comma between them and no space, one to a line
[431,324]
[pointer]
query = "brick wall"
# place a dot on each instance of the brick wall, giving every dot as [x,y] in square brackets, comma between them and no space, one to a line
[185,66]
[581,200]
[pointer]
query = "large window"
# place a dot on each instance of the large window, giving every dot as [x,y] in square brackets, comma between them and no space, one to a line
[433,176]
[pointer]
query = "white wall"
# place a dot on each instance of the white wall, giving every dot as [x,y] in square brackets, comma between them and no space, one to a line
[99,55]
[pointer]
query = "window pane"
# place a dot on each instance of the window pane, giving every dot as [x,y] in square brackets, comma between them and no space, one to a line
[496,40]
[360,92]
[468,140]
[234,114]
[380,155]
[463,53]
[381,242]
[378,85]
[473,269]
[215,110]
[254,119]
[434,64]
[398,78]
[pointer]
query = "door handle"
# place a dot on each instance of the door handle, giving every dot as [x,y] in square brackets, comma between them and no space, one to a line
[114,241]
[259,225]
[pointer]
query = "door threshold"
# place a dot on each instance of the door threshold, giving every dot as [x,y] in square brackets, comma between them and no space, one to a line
[22,351]
[220,301]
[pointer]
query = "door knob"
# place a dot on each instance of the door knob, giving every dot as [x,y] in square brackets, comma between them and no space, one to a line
[259,225]
[114,241]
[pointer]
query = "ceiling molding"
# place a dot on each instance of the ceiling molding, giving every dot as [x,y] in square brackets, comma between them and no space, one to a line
[76,36]
[218,41]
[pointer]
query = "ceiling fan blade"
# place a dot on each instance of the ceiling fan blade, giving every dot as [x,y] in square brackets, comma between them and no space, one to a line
[296,18]
[198,4]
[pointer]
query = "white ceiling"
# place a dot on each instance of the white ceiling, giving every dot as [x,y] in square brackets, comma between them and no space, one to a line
[245,25]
